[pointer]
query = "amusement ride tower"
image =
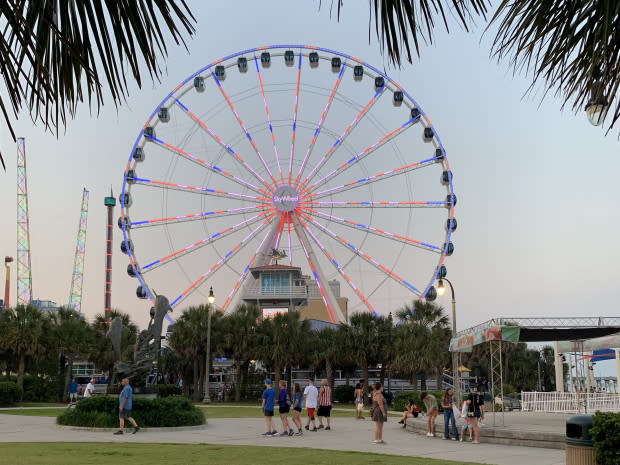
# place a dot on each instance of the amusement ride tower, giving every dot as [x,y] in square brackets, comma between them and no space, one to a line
[77,279]
[24,273]
[110,203]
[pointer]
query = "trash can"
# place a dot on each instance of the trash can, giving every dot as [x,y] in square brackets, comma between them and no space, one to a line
[579,446]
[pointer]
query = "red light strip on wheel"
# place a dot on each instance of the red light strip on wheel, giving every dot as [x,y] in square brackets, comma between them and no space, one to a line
[290,162]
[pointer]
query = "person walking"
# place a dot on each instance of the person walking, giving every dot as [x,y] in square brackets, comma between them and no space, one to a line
[447,401]
[284,407]
[124,407]
[73,386]
[311,395]
[90,388]
[379,412]
[267,408]
[476,412]
[359,401]
[297,400]
[325,404]
[431,411]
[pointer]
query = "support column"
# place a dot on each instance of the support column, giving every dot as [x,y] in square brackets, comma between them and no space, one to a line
[559,368]
[617,370]
[589,372]
[326,292]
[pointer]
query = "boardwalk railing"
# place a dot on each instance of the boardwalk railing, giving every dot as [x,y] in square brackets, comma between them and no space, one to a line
[569,402]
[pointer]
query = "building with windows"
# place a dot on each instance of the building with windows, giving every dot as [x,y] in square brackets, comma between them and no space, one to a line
[45,305]
[283,288]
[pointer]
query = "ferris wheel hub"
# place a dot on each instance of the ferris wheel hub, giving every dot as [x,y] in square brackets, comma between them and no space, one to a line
[286,199]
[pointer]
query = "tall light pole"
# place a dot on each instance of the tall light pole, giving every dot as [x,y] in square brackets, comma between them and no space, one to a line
[455,366]
[211,300]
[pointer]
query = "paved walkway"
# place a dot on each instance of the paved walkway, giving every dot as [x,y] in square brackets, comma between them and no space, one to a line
[347,434]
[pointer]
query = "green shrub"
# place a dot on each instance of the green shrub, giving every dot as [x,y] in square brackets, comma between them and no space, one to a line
[344,394]
[388,397]
[605,433]
[102,412]
[37,389]
[401,399]
[10,393]
[168,390]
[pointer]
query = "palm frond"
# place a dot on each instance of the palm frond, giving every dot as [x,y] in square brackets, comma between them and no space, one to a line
[55,54]
[568,46]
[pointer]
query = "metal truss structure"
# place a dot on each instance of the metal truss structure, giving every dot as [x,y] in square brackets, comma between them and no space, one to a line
[77,279]
[550,323]
[24,272]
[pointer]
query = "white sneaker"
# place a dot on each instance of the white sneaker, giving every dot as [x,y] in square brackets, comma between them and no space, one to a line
[454,439]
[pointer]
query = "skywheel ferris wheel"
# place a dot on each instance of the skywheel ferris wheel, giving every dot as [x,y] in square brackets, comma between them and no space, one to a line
[294,147]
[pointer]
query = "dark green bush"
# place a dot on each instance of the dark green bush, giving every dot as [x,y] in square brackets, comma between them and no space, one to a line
[168,390]
[10,393]
[401,399]
[37,389]
[605,433]
[344,394]
[102,412]
[389,397]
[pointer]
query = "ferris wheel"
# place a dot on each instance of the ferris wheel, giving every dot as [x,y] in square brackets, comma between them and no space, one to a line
[288,147]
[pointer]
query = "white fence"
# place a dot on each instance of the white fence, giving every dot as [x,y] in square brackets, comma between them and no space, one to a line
[569,402]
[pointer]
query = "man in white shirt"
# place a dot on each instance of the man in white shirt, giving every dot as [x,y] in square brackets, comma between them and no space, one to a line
[310,396]
[90,388]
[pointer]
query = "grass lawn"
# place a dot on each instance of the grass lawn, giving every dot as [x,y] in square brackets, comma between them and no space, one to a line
[35,412]
[41,404]
[64,453]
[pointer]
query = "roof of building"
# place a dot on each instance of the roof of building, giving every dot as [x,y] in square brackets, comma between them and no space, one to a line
[275,268]
[317,325]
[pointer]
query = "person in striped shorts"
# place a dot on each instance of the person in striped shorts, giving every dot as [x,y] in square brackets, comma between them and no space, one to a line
[325,404]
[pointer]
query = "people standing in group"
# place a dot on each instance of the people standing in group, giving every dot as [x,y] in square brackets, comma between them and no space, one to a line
[90,388]
[412,412]
[379,412]
[467,425]
[431,411]
[73,387]
[311,396]
[124,407]
[297,401]
[476,412]
[359,401]
[283,409]
[267,408]
[325,405]
[447,402]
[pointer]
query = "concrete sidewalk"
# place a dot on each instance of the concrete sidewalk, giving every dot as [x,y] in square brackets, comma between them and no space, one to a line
[347,434]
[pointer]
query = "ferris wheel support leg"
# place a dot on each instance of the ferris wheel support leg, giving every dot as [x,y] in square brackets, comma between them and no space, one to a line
[320,277]
[262,258]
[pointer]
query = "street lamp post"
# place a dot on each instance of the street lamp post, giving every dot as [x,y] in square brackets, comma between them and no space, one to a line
[211,300]
[455,367]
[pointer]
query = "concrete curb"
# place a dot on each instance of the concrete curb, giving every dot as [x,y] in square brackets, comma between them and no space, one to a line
[145,429]
[499,435]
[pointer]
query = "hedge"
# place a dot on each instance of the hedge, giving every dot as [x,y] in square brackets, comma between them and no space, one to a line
[37,389]
[344,394]
[168,390]
[401,399]
[10,393]
[605,433]
[102,412]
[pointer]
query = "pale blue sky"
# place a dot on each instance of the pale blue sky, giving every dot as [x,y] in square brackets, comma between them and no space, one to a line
[537,204]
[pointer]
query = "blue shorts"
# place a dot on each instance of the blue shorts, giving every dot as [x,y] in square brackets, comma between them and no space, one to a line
[465,426]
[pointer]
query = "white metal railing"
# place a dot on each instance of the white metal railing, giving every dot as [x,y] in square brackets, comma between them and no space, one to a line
[569,402]
[276,291]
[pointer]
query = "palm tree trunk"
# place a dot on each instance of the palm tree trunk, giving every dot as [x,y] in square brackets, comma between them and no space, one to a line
[365,375]
[423,381]
[329,368]
[238,378]
[68,373]
[196,376]
[290,381]
[277,376]
[21,368]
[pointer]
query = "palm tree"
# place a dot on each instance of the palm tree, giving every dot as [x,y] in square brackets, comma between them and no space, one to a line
[281,340]
[571,47]
[72,338]
[55,54]
[101,351]
[240,338]
[189,340]
[23,327]
[326,351]
[422,340]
